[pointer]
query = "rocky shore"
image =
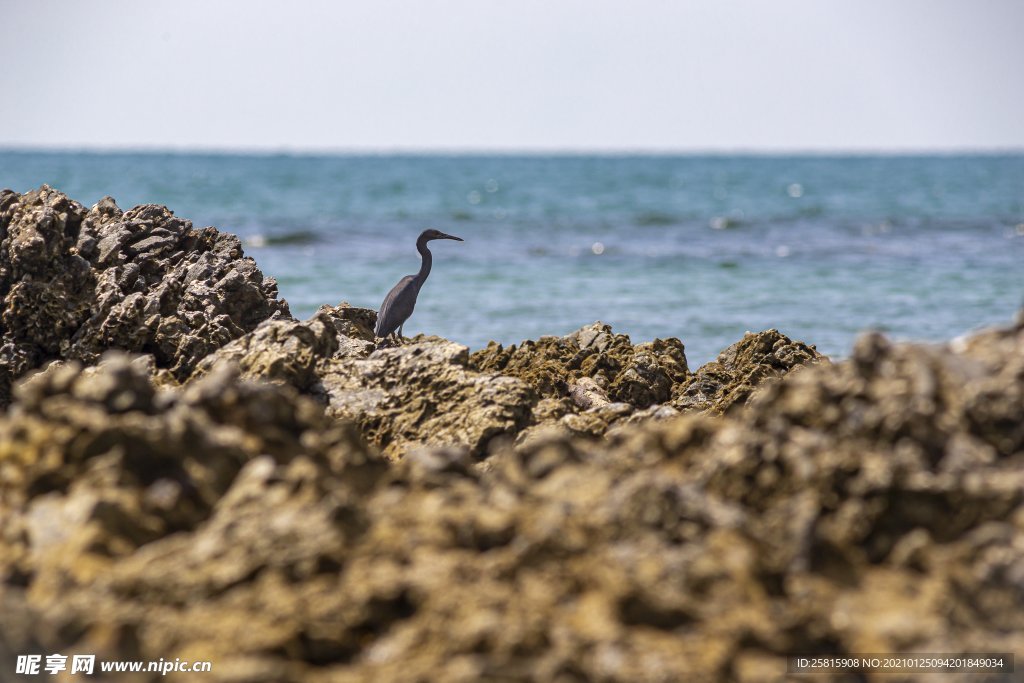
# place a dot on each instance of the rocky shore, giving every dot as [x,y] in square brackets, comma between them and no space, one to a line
[186,471]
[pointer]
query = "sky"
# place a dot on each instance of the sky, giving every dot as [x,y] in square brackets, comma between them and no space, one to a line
[530,75]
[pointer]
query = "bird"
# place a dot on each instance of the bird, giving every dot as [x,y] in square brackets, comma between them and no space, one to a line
[401,300]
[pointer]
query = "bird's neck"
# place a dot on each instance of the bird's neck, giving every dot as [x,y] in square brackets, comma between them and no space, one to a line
[421,246]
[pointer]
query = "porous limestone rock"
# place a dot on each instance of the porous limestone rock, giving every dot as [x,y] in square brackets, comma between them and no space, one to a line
[283,351]
[593,367]
[874,505]
[738,371]
[425,393]
[46,288]
[75,283]
[640,375]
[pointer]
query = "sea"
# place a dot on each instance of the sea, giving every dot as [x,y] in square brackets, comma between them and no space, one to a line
[703,248]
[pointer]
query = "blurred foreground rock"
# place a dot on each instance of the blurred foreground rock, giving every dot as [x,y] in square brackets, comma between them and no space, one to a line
[875,505]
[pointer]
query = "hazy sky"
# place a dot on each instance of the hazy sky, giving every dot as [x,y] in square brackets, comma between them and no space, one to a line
[524,75]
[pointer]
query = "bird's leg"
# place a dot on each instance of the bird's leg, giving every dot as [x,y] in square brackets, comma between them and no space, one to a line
[400,337]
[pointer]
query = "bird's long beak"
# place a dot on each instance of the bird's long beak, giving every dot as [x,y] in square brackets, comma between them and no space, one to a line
[451,237]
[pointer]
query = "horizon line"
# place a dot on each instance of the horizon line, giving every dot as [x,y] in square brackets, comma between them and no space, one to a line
[397,151]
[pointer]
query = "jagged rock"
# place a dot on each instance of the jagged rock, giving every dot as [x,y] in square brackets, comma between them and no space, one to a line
[594,367]
[354,327]
[46,288]
[295,353]
[732,378]
[351,322]
[165,288]
[640,375]
[425,393]
[76,283]
[284,351]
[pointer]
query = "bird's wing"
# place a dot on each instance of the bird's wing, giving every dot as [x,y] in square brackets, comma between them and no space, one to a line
[397,306]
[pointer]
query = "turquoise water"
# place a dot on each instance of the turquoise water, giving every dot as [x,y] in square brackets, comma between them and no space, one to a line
[702,248]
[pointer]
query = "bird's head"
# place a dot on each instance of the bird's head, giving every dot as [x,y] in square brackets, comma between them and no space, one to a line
[431,234]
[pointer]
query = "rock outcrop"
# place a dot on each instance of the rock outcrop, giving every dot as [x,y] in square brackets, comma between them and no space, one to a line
[733,377]
[75,283]
[125,507]
[874,505]
[425,393]
[282,351]
[593,378]
[432,392]
[640,375]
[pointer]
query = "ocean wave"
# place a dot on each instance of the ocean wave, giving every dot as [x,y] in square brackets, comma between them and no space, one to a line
[296,237]
[656,218]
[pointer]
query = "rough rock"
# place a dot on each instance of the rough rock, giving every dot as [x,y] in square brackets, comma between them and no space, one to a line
[283,351]
[609,381]
[874,505]
[733,377]
[123,505]
[75,283]
[46,287]
[640,375]
[425,393]
[350,322]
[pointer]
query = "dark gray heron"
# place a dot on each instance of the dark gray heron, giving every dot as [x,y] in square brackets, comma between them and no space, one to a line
[400,301]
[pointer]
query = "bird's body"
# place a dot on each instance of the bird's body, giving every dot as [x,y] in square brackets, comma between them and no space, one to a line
[397,306]
[401,300]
